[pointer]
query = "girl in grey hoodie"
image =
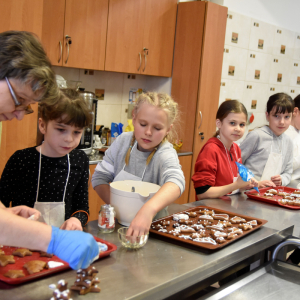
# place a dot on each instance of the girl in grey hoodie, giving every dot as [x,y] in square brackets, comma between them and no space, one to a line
[267,151]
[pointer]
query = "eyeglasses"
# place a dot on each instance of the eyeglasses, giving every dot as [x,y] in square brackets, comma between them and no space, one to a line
[19,106]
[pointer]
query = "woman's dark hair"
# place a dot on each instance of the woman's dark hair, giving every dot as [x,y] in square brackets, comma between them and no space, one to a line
[297,101]
[282,103]
[227,107]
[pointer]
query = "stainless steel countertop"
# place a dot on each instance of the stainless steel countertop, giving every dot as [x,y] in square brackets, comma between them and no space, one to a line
[160,268]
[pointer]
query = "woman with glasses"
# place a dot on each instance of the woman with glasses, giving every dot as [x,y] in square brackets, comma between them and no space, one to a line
[26,77]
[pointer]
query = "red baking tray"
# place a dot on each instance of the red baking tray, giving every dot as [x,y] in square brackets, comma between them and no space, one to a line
[20,261]
[273,200]
[170,237]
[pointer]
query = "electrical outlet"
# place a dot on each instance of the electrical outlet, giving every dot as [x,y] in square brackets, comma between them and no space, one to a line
[86,72]
[91,72]
[132,76]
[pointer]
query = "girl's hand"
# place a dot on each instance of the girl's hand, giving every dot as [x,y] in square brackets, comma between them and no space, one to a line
[266,183]
[277,180]
[140,224]
[251,184]
[71,224]
[241,184]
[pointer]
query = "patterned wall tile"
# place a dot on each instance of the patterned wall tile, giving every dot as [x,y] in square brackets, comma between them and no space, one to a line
[258,67]
[280,71]
[234,62]
[295,74]
[284,41]
[255,96]
[106,114]
[296,54]
[261,37]
[231,89]
[237,30]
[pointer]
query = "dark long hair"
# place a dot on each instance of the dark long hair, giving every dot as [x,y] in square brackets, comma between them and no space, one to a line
[282,103]
[227,107]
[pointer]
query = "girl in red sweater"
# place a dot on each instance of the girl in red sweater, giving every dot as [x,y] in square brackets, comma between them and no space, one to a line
[216,173]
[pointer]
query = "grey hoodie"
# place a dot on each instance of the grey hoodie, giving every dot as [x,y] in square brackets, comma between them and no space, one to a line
[256,149]
[164,166]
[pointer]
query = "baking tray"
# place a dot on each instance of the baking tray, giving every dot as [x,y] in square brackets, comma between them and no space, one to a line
[170,237]
[20,261]
[273,200]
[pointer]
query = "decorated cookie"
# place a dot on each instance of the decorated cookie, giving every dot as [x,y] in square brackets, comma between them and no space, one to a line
[206,212]
[231,236]
[191,214]
[86,282]
[206,217]
[245,226]
[272,191]
[186,222]
[185,237]
[22,252]
[237,220]
[206,240]
[283,194]
[223,217]
[14,274]
[224,224]
[219,234]
[35,266]
[178,217]
[235,230]
[165,223]
[6,259]
[268,194]
[204,222]
[253,223]
[215,227]
[220,240]
[197,226]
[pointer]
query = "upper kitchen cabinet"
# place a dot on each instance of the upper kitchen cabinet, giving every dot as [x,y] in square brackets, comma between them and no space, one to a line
[74,32]
[21,15]
[140,36]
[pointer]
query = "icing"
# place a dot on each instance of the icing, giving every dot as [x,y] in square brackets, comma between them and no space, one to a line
[178,217]
[207,240]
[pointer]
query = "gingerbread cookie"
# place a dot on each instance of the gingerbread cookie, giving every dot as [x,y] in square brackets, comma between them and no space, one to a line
[186,222]
[192,214]
[235,230]
[45,254]
[204,222]
[206,212]
[206,217]
[206,240]
[245,226]
[220,240]
[22,252]
[86,282]
[268,194]
[237,220]
[178,217]
[272,191]
[6,259]
[14,274]
[224,224]
[35,266]
[222,217]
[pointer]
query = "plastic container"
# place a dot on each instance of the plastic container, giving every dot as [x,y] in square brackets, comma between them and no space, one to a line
[106,219]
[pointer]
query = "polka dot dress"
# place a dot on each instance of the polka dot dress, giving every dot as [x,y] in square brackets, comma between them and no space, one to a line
[20,177]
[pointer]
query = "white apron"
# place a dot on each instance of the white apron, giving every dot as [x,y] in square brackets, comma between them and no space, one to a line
[273,165]
[123,175]
[234,179]
[52,212]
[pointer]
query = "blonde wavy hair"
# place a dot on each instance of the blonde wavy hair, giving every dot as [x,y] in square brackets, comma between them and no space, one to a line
[168,105]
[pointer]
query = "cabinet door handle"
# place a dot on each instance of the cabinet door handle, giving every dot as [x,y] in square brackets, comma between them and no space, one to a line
[200,120]
[140,61]
[68,42]
[145,53]
[60,46]
[145,62]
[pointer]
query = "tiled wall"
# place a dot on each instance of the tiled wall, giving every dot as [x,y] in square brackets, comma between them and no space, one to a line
[259,60]
[116,86]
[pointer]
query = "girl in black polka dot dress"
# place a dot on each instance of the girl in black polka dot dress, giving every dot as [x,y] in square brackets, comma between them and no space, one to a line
[54,171]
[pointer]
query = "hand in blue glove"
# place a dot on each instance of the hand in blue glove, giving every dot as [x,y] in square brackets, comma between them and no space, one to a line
[77,248]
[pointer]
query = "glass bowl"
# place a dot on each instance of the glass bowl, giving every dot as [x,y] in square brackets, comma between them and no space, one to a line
[128,242]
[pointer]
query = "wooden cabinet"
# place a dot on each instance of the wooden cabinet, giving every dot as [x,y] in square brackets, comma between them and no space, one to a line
[74,32]
[140,36]
[19,15]
[95,201]
[197,67]
[185,162]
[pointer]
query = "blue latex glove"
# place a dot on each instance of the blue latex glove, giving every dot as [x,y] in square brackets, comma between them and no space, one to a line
[77,248]
[245,173]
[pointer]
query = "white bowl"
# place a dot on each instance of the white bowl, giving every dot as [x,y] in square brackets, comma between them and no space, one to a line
[128,203]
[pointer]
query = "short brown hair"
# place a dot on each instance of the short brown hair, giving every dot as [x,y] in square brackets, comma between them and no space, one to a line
[69,108]
[22,57]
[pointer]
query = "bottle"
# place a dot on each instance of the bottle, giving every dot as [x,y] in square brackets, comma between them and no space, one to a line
[106,219]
